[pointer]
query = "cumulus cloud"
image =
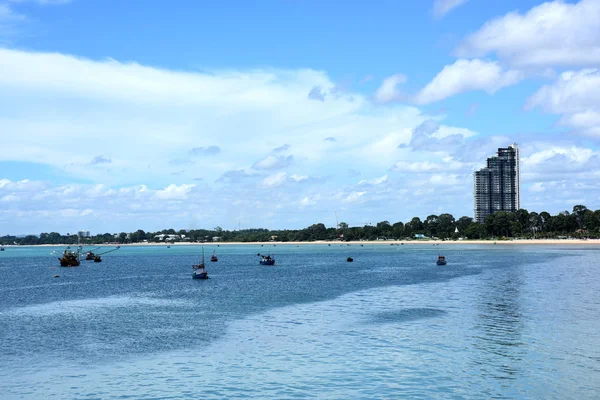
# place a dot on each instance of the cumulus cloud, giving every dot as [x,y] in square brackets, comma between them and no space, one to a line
[554,33]
[576,97]
[388,91]
[431,136]
[443,7]
[467,75]
[175,192]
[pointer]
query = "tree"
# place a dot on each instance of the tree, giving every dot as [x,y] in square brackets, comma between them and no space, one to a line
[579,212]
[476,231]
[122,237]
[415,226]
[445,225]
[523,218]
[343,225]
[398,230]
[463,223]
[430,225]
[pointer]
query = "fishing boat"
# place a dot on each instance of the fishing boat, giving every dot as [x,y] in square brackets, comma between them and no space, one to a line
[89,255]
[267,260]
[213,258]
[199,269]
[70,258]
[441,260]
[97,257]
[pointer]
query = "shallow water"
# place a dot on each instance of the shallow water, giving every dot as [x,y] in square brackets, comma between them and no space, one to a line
[496,322]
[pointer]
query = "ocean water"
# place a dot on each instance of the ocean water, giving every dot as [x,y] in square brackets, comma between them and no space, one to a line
[502,322]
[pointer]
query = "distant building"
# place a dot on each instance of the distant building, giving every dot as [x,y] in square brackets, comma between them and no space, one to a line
[83,234]
[496,187]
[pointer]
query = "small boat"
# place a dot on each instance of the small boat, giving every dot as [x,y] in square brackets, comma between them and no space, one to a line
[97,257]
[349,259]
[267,260]
[1,248]
[199,269]
[69,259]
[214,258]
[89,255]
[441,260]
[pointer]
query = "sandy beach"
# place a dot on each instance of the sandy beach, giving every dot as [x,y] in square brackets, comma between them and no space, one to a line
[588,242]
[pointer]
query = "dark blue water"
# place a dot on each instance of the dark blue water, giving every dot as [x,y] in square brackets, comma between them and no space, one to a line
[496,322]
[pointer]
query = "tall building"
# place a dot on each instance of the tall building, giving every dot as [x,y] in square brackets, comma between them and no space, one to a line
[497,185]
[84,234]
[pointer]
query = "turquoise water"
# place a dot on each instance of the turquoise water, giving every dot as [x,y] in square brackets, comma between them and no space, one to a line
[496,322]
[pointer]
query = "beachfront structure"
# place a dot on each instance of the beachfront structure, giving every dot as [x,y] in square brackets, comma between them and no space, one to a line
[83,234]
[496,187]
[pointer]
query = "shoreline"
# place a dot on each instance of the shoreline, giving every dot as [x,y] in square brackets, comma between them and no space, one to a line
[589,242]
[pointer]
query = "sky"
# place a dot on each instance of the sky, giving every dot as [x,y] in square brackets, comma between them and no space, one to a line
[150,114]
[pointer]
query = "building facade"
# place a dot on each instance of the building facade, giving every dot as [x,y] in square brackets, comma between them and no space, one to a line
[497,186]
[83,234]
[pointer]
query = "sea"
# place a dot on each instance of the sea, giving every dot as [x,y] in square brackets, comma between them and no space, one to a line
[496,322]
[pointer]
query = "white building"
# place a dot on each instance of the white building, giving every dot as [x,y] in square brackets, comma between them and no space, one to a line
[83,234]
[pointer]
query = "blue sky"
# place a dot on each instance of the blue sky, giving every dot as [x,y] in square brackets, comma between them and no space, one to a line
[121,115]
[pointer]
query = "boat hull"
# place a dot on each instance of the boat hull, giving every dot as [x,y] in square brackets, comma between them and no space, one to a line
[441,263]
[271,262]
[202,275]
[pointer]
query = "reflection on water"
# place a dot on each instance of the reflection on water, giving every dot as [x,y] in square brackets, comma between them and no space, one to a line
[498,327]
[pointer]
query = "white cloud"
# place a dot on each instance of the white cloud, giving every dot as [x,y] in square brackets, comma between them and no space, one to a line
[376,181]
[110,108]
[353,197]
[467,75]
[175,192]
[388,91]
[274,180]
[298,178]
[163,114]
[446,179]
[273,162]
[425,166]
[576,97]
[551,34]
[443,7]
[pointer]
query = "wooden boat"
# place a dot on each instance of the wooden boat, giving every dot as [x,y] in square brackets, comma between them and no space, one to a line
[441,260]
[89,255]
[97,257]
[199,269]
[69,259]
[267,260]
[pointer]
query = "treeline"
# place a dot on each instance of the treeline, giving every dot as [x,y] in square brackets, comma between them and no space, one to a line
[580,223]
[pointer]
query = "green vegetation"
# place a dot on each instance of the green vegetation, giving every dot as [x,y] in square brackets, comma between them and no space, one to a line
[580,223]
